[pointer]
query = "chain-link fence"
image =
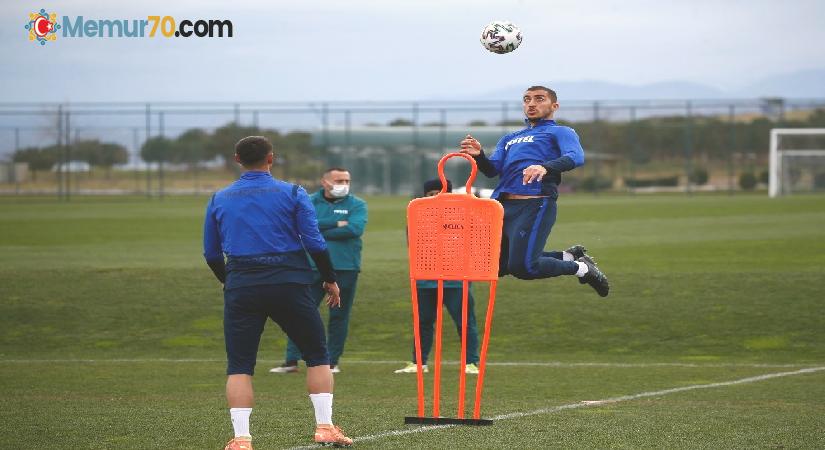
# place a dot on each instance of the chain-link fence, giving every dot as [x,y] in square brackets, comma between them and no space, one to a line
[157,149]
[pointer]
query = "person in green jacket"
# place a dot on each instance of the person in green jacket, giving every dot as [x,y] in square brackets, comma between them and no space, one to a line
[342,218]
[427,307]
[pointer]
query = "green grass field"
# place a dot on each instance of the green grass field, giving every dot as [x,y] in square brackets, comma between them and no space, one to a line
[111,330]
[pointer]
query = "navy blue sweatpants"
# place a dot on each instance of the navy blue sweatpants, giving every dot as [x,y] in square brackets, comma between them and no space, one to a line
[527,225]
[338,316]
[290,305]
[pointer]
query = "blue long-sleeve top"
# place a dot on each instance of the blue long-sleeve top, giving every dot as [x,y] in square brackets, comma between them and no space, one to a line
[555,147]
[264,227]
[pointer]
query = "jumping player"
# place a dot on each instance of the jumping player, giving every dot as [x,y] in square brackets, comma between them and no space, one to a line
[264,227]
[529,164]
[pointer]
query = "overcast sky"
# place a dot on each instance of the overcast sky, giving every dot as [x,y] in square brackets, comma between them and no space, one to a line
[385,50]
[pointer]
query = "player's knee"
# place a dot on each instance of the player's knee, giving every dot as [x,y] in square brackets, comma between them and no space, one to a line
[520,270]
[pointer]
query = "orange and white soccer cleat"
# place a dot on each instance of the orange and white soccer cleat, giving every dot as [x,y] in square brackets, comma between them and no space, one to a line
[327,435]
[239,443]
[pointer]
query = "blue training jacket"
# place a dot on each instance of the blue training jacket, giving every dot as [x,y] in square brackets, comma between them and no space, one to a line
[553,146]
[263,226]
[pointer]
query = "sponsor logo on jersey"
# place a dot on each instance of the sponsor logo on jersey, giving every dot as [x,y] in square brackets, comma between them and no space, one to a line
[518,141]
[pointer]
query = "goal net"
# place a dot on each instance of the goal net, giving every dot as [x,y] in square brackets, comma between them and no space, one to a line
[797,161]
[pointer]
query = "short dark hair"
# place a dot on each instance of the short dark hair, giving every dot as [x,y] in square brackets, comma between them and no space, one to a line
[549,91]
[252,150]
[335,169]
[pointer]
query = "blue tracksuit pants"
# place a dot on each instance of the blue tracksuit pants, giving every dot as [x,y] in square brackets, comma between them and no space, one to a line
[527,225]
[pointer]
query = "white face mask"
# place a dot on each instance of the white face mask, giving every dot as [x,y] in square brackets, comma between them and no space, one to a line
[339,190]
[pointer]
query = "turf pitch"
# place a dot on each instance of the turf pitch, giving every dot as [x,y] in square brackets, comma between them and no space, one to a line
[112,337]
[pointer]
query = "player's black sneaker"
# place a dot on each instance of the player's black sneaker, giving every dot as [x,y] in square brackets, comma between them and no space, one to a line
[578,251]
[594,277]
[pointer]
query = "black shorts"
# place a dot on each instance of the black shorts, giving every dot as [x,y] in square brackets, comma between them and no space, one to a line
[290,305]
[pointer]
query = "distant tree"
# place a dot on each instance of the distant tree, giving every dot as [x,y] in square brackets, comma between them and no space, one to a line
[112,154]
[699,176]
[764,177]
[37,158]
[87,150]
[156,149]
[400,123]
[223,140]
[296,141]
[747,181]
[191,146]
[817,118]
[296,156]
[755,135]
[819,180]
[477,123]
[99,154]
[282,150]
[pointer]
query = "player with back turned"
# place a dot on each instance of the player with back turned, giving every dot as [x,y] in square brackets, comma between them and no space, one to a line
[256,236]
[529,164]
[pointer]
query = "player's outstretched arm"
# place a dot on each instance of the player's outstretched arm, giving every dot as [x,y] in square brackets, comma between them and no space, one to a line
[472,147]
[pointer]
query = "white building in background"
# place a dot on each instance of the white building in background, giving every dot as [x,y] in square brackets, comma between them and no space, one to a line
[73,166]
[12,172]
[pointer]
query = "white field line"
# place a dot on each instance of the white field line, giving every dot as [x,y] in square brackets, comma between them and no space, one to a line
[357,362]
[587,404]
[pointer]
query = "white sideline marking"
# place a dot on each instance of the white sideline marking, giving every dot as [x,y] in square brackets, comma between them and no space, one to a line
[356,362]
[586,404]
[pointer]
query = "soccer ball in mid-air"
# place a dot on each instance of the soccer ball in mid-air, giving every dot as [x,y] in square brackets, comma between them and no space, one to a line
[501,36]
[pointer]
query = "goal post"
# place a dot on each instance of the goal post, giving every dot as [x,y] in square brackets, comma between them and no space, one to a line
[780,181]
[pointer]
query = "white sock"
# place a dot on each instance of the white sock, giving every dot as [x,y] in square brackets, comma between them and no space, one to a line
[567,256]
[582,269]
[240,420]
[323,408]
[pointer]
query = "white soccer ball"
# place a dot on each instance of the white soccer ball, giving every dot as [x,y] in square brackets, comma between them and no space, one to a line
[501,36]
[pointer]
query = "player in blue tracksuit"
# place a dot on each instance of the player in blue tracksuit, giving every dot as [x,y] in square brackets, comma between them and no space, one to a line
[256,235]
[529,164]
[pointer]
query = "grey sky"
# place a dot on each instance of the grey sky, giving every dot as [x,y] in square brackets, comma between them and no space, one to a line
[381,50]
